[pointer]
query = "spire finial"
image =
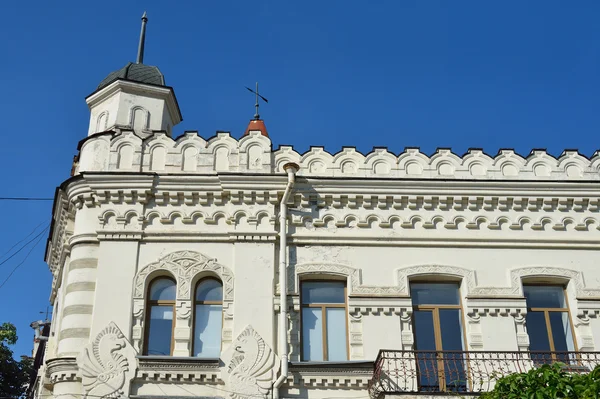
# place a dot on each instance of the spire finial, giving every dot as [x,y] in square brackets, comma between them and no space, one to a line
[256,105]
[140,56]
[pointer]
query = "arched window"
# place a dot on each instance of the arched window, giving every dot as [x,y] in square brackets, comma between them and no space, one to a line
[160,316]
[208,318]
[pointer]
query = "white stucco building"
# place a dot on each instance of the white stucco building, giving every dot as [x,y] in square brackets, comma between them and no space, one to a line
[221,267]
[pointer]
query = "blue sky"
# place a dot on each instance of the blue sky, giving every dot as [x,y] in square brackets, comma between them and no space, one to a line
[460,74]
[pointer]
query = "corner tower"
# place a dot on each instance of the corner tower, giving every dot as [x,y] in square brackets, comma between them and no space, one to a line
[134,97]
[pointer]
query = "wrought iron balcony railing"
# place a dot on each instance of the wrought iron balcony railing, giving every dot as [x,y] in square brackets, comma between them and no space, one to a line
[462,372]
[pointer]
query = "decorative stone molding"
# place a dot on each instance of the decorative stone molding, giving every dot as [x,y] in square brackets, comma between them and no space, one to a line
[474,334]
[62,369]
[250,365]
[466,276]
[155,369]
[352,275]
[503,307]
[253,154]
[522,336]
[585,335]
[107,365]
[588,307]
[294,328]
[428,220]
[355,336]
[185,267]
[296,272]
[517,275]
[379,305]
[352,375]
[406,331]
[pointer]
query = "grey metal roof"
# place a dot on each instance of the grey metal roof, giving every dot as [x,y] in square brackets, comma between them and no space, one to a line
[135,72]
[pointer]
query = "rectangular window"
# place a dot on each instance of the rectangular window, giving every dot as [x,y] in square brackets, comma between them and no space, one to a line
[437,321]
[208,322]
[161,330]
[324,316]
[548,323]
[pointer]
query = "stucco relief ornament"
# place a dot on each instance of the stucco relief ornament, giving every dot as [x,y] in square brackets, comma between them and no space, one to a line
[107,365]
[251,366]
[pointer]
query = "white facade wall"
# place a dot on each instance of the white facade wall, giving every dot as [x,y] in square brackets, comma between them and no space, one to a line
[198,208]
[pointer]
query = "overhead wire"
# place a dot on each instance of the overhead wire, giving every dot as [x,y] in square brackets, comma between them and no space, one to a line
[21,240]
[25,199]
[23,246]
[26,256]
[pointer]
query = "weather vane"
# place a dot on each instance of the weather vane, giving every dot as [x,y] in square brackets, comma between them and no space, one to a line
[256,115]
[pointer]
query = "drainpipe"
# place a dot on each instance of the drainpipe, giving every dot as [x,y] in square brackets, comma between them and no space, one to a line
[291,169]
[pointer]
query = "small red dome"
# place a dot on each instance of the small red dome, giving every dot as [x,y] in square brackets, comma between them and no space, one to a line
[257,124]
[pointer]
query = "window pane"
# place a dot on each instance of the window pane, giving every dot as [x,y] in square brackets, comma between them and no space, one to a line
[209,290]
[312,334]
[451,326]
[162,289]
[336,334]
[537,331]
[452,340]
[323,292]
[207,331]
[427,362]
[160,330]
[544,296]
[561,332]
[435,294]
[424,333]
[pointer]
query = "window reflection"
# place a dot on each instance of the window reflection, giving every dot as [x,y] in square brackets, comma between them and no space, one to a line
[208,318]
[548,323]
[324,315]
[438,332]
[161,312]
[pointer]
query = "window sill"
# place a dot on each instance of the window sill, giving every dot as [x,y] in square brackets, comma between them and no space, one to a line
[170,368]
[178,359]
[355,374]
[346,364]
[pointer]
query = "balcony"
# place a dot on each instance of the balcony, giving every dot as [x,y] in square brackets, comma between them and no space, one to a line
[456,372]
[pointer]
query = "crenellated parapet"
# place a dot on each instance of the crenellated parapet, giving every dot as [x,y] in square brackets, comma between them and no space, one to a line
[190,153]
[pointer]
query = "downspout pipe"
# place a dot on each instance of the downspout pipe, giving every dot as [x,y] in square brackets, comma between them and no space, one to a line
[291,169]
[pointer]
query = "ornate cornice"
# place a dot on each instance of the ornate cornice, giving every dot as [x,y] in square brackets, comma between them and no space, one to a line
[171,369]
[349,375]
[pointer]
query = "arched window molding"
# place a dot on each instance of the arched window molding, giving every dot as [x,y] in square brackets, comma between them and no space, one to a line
[517,275]
[325,271]
[144,114]
[467,276]
[573,276]
[102,122]
[187,267]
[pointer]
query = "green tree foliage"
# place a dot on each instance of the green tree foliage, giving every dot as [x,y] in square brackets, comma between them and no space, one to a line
[14,375]
[547,382]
